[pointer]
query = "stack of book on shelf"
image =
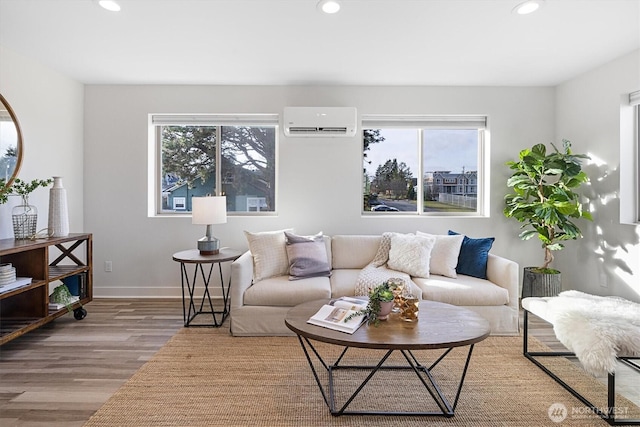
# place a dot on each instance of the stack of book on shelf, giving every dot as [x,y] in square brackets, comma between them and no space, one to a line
[77,284]
[57,305]
[334,314]
[8,279]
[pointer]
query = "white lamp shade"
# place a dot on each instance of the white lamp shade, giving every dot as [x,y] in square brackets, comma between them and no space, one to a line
[209,210]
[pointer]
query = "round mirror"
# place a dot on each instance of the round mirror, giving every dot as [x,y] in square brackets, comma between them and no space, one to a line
[10,143]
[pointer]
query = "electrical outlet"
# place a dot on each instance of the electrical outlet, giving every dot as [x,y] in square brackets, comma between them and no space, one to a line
[108,266]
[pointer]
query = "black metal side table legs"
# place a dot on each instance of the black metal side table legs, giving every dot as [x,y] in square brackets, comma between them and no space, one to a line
[190,309]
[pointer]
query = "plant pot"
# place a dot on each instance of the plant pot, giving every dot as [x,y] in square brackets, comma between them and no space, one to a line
[385,310]
[537,284]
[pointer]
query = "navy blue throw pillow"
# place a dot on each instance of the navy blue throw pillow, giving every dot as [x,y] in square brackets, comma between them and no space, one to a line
[474,255]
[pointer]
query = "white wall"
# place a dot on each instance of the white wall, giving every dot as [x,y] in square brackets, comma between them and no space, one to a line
[49,107]
[319,179]
[607,260]
[109,199]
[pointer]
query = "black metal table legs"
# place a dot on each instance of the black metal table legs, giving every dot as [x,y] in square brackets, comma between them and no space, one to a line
[609,413]
[189,310]
[445,405]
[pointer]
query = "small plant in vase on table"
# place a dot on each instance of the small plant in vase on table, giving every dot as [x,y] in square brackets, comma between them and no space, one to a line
[25,216]
[379,306]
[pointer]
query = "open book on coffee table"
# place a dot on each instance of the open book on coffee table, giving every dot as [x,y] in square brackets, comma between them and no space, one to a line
[334,314]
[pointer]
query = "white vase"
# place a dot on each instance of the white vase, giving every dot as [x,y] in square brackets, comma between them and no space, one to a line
[58,211]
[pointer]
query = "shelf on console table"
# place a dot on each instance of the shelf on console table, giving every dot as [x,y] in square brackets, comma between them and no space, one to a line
[44,260]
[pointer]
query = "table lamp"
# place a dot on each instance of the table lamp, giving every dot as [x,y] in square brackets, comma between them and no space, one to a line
[207,211]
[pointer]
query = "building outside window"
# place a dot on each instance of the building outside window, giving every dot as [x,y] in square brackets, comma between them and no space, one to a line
[424,165]
[199,155]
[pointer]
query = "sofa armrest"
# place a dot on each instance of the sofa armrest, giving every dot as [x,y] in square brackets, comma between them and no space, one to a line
[504,273]
[241,278]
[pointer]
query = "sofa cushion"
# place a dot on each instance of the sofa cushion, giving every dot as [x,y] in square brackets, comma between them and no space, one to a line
[269,253]
[474,254]
[343,282]
[445,253]
[463,291]
[410,254]
[353,251]
[280,291]
[307,256]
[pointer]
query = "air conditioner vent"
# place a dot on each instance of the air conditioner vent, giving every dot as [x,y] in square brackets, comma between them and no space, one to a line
[320,121]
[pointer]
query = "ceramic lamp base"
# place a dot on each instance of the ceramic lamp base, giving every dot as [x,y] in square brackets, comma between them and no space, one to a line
[209,245]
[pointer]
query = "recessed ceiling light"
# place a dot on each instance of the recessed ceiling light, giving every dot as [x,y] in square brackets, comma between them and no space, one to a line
[329,6]
[528,7]
[110,5]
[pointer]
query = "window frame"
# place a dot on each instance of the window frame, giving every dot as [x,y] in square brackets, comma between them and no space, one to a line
[636,144]
[157,121]
[439,122]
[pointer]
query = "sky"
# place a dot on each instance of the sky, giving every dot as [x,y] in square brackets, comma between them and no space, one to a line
[8,136]
[448,150]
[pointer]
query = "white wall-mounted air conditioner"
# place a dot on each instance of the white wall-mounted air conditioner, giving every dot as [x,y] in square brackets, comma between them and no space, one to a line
[320,121]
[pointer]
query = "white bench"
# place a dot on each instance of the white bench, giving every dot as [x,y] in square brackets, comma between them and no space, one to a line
[540,307]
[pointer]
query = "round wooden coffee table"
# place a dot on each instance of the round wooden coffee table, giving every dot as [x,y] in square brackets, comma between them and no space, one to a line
[439,326]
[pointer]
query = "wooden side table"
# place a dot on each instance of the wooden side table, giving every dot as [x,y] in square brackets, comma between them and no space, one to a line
[194,257]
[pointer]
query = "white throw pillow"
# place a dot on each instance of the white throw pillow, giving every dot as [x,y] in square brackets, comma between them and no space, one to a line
[444,255]
[410,254]
[269,252]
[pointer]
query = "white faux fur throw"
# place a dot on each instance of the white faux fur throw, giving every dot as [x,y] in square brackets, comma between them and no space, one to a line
[596,329]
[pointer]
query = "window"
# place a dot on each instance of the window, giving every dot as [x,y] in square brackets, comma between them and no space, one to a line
[634,101]
[629,193]
[438,161]
[226,155]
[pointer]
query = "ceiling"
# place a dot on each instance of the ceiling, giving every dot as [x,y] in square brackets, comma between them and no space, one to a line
[288,42]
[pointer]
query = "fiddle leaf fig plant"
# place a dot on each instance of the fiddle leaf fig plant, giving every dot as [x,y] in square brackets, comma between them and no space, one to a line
[544,198]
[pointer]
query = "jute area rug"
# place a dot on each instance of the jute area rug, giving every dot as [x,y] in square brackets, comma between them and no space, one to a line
[205,377]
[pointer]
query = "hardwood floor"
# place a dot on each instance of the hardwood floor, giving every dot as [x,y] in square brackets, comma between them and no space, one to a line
[59,375]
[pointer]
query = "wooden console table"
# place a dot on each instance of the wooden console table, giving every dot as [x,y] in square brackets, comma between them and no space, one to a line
[45,261]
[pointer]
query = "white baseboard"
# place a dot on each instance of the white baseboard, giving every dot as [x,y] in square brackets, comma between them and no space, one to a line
[129,292]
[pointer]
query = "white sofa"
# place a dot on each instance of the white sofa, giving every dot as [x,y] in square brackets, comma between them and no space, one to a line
[259,308]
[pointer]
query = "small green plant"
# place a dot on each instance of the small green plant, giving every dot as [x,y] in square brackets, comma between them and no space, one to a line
[62,295]
[543,197]
[381,293]
[24,188]
[4,191]
[20,188]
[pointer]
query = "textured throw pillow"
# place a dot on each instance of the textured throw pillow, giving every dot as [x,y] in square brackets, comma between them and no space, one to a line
[307,256]
[444,255]
[269,253]
[410,254]
[474,255]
